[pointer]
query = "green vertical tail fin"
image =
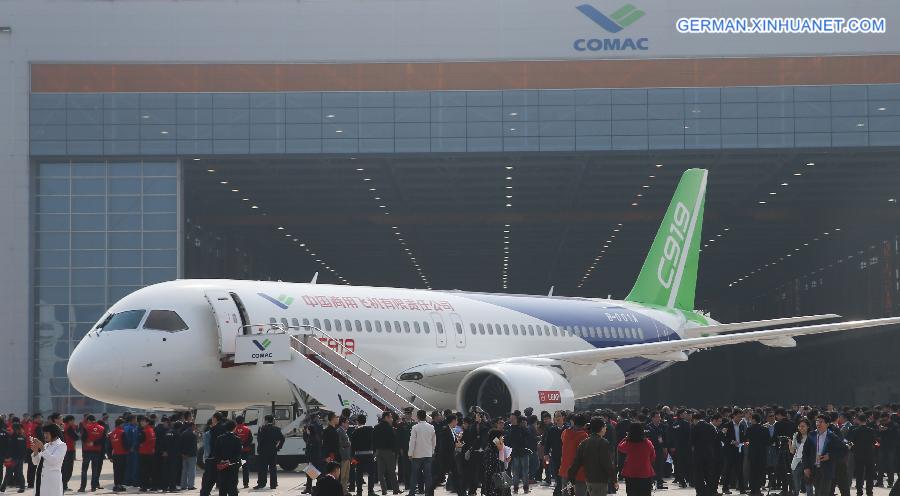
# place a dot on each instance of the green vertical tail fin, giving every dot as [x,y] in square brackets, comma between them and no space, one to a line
[669,274]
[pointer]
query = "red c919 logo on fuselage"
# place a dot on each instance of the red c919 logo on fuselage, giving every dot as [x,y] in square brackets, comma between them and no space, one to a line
[549,397]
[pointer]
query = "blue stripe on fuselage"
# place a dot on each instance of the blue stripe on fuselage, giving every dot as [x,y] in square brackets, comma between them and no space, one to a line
[563,312]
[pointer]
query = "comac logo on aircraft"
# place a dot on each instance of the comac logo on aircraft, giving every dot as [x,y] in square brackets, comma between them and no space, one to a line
[282,302]
[623,17]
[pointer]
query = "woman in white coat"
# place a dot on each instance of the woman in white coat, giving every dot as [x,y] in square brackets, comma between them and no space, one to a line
[52,451]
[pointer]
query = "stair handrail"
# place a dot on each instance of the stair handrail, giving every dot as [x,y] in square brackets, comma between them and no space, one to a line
[345,351]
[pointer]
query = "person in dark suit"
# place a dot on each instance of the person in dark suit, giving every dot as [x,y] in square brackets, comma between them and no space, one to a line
[329,484]
[820,451]
[269,441]
[657,433]
[446,451]
[756,440]
[733,433]
[228,451]
[863,438]
[705,441]
[680,447]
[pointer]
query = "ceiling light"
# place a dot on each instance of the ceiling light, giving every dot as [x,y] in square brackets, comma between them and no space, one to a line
[329,116]
[505,225]
[762,202]
[163,132]
[223,182]
[245,199]
[810,163]
[634,204]
[513,114]
[509,196]
[784,184]
[382,206]
[509,187]
[253,206]
[798,173]
[892,200]
[196,160]
[339,130]
[367,179]
[860,124]
[645,186]
[772,193]
[509,167]
[377,197]
[280,228]
[512,129]
[360,169]
[235,190]
[372,189]
[659,165]
[652,177]
[639,195]
[726,229]
[509,178]
[509,204]
[210,170]
[295,240]
[615,230]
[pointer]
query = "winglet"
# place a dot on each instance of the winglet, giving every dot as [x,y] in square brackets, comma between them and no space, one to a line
[315,277]
[550,293]
[669,274]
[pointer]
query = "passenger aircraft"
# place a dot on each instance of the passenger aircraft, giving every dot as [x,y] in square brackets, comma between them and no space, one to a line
[167,346]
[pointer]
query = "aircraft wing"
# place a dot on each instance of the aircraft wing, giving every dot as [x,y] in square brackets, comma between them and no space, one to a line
[664,351]
[676,350]
[695,332]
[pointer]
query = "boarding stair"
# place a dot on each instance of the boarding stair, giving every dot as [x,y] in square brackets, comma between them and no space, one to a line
[338,377]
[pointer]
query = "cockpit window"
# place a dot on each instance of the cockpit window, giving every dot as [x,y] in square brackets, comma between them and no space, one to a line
[129,319]
[165,320]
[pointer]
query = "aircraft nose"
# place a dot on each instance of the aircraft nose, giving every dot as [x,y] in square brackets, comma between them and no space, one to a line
[94,368]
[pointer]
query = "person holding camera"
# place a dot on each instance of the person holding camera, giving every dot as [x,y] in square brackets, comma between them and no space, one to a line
[50,455]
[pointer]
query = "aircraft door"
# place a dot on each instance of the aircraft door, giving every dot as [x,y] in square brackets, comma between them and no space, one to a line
[458,330]
[440,333]
[228,320]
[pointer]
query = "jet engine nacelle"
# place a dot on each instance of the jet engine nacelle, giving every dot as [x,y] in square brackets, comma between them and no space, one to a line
[506,387]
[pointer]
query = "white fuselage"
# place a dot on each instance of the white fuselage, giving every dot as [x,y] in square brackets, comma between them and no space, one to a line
[394,329]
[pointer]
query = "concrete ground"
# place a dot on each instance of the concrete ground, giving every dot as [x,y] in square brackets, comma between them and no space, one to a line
[291,483]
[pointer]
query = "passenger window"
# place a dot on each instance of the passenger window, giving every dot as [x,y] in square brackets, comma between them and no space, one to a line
[506,329]
[327,325]
[164,320]
[481,329]
[273,322]
[472,327]
[397,327]
[284,324]
[515,329]
[295,323]
[358,326]
[347,326]
[406,327]
[440,327]
[317,324]
[539,331]
[337,325]
[426,328]
[530,329]
[368,326]
[459,329]
[641,333]
[387,326]
[620,333]
[306,322]
[546,330]
[417,327]
[490,330]
[555,331]
[377,326]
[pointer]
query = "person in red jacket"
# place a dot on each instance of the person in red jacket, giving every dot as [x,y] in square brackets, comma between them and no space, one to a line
[92,443]
[639,457]
[243,433]
[146,452]
[119,454]
[571,438]
[70,436]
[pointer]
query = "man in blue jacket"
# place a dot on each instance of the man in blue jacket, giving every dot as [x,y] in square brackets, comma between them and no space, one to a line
[820,453]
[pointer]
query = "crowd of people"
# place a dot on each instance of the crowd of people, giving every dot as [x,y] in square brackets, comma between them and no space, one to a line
[793,450]
[819,452]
